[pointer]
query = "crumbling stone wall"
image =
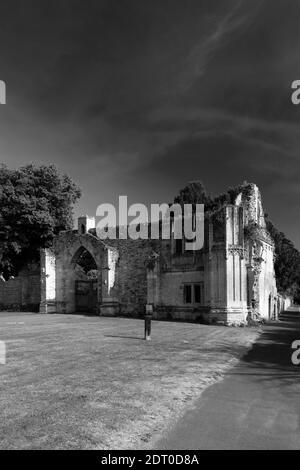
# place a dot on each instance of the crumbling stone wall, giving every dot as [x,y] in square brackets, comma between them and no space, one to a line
[21,293]
[131,274]
[231,277]
[168,276]
[137,274]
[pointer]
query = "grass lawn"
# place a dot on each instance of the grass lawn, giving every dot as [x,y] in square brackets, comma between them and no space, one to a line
[80,382]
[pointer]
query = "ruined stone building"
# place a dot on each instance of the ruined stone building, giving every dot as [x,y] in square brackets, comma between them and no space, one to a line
[230,280]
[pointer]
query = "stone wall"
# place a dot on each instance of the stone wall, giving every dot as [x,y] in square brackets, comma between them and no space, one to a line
[122,266]
[131,274]
[48,281]
[267,285]
[167,279]
[21,293]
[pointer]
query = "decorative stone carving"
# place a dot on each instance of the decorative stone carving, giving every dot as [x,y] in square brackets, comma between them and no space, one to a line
[237,250]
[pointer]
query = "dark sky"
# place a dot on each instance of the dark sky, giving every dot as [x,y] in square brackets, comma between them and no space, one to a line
[138,97]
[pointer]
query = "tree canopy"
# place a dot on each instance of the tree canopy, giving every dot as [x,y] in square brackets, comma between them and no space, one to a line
[287,263]
[36,203]
[193,193]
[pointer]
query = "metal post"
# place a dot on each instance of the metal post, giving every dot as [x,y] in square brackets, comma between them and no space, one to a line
[148,318]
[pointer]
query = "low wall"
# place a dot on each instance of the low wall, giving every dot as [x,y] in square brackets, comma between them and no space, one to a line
[21,293]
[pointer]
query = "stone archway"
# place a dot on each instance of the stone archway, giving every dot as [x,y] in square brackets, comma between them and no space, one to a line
[87,289]
[69,257]
[58,292]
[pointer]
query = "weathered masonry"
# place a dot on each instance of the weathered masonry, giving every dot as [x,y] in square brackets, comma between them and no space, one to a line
[22,292]
[229,281]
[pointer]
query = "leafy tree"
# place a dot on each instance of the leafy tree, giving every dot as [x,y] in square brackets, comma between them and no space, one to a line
[193,193]
[287,263]
[36,203]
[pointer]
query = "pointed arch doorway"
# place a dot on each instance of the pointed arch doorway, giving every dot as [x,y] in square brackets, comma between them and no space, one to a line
[79,273]
[86,276]
[86,296]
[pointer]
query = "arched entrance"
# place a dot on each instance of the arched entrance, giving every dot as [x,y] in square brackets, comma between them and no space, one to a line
[79,274]
[86,277]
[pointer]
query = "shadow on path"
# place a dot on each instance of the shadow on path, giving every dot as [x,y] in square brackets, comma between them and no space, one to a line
[256,405]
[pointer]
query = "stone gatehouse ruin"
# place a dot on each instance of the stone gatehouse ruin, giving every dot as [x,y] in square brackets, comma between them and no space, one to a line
[229,281]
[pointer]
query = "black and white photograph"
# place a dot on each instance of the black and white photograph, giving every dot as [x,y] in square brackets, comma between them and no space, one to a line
[149,228]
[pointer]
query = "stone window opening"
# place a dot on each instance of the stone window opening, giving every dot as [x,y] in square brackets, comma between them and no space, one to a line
[187,292]
[84,264]
[193,293]
[197,293]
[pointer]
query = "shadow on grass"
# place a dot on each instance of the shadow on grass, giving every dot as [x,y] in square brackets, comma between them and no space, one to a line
[140,338]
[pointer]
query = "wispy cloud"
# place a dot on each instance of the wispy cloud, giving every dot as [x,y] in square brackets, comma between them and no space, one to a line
[225,28]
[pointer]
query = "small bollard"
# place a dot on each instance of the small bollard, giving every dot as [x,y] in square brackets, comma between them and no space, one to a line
[148,318]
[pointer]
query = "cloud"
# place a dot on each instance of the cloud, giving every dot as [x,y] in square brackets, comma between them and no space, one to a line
[140,97]
[224,30]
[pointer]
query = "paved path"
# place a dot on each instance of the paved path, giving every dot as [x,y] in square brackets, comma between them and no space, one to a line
[256,406]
